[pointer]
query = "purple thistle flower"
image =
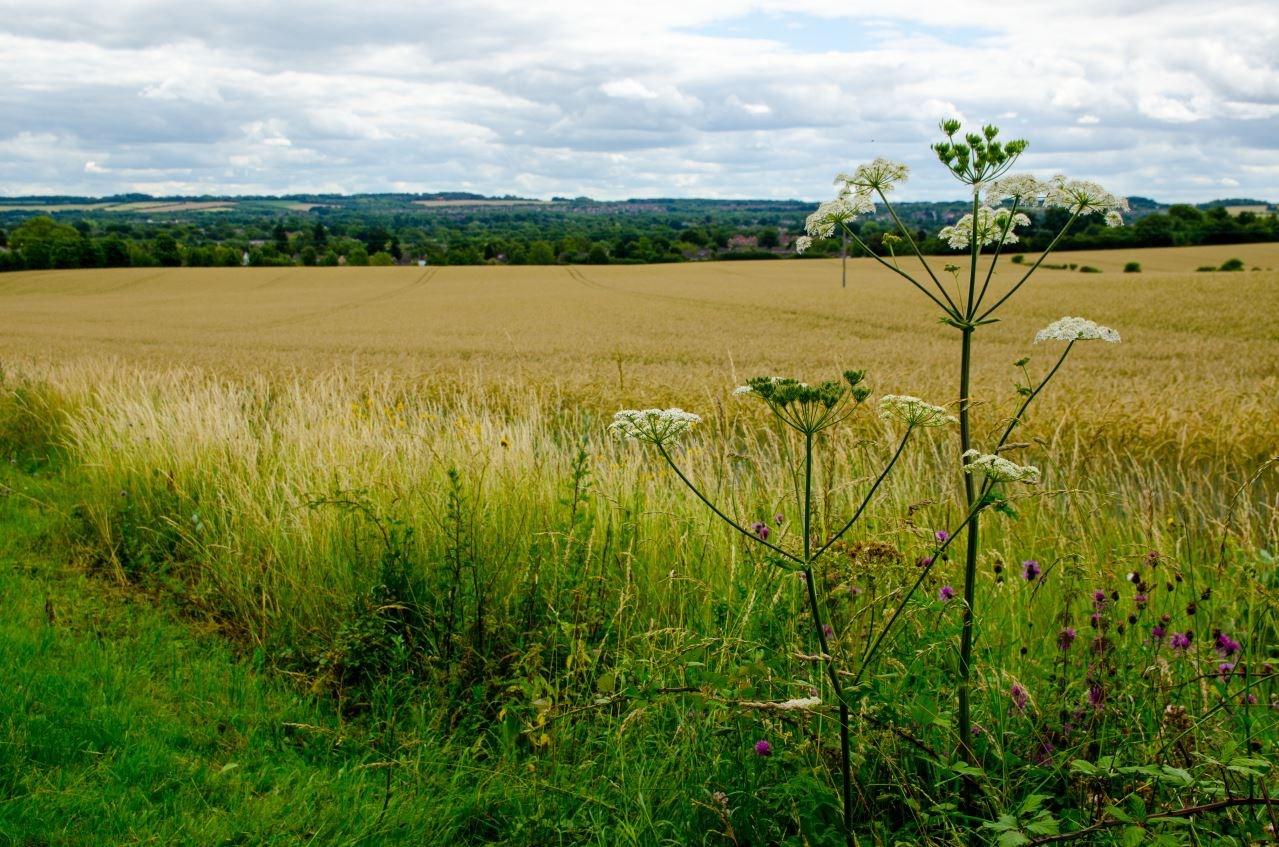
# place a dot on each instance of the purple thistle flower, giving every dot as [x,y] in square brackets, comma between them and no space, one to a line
[1226,669]
[1030,570]
[942,536]
[977,730]
[1065,638]
[1179,641]
[1226,646]
[1099,599]
[828,631]
[1157,632]
[1248,700]
[1096,697]
[763,748]
[1095,619]
[1019,697]
[1152,558]
[1140,600]
[946,594]
[761,530]
[779,519]
[925,561]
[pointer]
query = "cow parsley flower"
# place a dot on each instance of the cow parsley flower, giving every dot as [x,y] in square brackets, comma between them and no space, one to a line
[822,223]
[998,469]
[803,243]
[656,426]
[992,225]
[1023,188]
[1076,329]
[880,176]
[1082,197]
[912,411]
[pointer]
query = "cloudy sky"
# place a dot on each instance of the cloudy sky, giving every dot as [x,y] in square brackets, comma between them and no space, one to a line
[611,99]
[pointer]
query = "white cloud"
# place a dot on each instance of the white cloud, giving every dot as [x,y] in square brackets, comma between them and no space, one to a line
[719,97]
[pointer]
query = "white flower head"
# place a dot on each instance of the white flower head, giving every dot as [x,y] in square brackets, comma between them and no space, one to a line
[656,426]
[880,175]
[1082,197]
[803,243]
[912,411]
[822,223]
[1076,329]
[998,469]
[1023,188]
[992,225]
[800,703]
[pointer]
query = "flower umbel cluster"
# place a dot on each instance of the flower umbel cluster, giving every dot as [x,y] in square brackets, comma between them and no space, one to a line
[1022,189]
[1081,197]
[1076,329]
[656,426]
[977,157]
[880,176]
[998,469]
[992,225]
[913,412]
[822,223]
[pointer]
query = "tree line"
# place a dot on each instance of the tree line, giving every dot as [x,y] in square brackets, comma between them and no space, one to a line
[571,233]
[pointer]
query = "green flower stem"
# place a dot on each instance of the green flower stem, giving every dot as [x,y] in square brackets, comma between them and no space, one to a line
[1031,270]
[914,247]
[970,556]
[951,309]
[866,501]
[734,524]
[975,248]
[1030,397]
[869,656]
[999,248]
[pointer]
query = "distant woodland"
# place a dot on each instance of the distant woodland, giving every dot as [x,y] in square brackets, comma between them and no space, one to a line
[460,229]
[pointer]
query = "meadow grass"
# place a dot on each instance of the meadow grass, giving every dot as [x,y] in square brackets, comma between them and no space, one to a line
[531,587]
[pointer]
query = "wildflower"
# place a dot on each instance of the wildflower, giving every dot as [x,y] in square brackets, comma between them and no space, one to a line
[1076,329]
[779,519]
[925,561]
[828,631]
[1095,619]
[800,703]
[992,225]
[1140,600]
[1248,700]
[946,594]
[1157,632]
[1226,646]
[1179,641]
[1065,638]
[1152,558]
[1096,697]
[999,469]
[1023,189]
[912,411]
[942,536]
[1030,570]
[656,426]
[880,176]
[977,730]
[822,223]
[763,748]
[803,243]
[761,530]
[1019,697]
[1081,197]
[1225,670]
[1099,599]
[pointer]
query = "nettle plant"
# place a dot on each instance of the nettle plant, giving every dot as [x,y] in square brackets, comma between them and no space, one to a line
[999,203]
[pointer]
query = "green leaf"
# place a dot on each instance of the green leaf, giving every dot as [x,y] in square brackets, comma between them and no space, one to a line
[1013,838]
[1177,776]
[1131,836]
[1033,803]
[606,683]
[1083,767]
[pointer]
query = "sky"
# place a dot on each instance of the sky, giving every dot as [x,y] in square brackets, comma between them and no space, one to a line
[1173,100]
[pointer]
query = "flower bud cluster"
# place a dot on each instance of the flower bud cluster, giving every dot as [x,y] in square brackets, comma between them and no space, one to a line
[1076,329]
[808,408]
[977,158]
[998,469]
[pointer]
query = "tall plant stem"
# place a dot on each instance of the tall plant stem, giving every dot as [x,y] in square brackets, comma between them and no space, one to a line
[970,557]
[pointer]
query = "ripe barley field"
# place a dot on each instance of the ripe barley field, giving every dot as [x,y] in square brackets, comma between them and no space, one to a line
[394,485]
